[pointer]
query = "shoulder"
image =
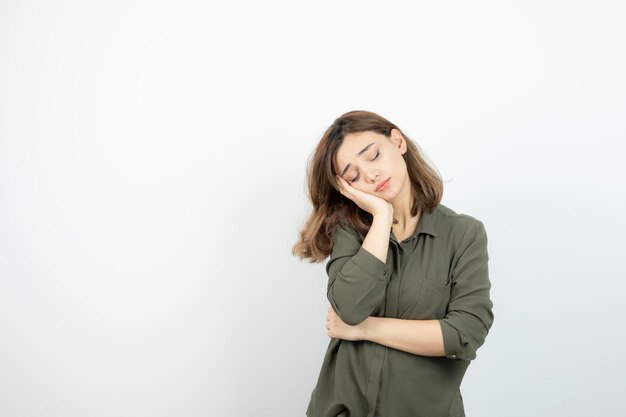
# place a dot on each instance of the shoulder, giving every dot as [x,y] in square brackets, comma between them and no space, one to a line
[456,225]
[345,232]
[345,226]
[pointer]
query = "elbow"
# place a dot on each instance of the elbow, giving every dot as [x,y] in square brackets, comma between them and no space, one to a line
[353,318]
[351,315]
[355,303]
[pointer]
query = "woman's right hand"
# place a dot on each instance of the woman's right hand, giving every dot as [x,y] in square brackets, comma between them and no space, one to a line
[368,202]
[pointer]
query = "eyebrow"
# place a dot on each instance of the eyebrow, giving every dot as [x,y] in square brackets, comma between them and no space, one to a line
[360,153]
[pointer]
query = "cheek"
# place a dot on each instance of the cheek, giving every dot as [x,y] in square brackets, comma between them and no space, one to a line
[397,163]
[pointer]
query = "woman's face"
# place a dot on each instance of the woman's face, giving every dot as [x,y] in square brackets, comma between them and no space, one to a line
[367,159]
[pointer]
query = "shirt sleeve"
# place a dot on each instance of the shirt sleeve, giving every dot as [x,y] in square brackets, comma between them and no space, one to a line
[470,311]
[357,279]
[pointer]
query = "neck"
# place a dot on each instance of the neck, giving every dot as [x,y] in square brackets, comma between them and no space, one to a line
[402,217]
[405,221]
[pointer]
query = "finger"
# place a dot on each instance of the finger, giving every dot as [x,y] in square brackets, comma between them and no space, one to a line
[342,183]
[345,183]
[344,188]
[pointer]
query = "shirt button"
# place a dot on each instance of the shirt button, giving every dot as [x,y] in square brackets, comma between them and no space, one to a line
[453,355]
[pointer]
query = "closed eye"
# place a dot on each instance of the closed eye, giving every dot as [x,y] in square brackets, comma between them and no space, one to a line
[357,177]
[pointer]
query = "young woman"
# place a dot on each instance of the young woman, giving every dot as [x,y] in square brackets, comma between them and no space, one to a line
[408,281]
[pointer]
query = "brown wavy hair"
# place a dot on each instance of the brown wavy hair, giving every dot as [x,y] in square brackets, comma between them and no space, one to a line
[330,207]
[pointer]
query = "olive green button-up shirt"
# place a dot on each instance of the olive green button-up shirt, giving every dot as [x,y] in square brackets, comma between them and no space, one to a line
[441,273]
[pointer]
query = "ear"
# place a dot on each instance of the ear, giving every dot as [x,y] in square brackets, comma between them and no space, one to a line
[398,140]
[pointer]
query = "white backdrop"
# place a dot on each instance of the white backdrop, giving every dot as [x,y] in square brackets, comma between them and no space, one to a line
[152,184]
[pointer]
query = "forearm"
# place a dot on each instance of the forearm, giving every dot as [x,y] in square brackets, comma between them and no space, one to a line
[420,337]
[377,240]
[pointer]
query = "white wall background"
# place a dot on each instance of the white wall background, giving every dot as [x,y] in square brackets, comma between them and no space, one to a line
[152,162]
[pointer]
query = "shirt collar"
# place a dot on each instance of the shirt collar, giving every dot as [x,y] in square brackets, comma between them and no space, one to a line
[426,225]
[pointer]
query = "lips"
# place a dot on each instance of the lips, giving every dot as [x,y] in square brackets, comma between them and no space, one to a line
[383,185]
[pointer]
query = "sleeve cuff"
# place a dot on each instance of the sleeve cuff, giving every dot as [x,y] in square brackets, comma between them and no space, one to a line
[372,265]
[451,341]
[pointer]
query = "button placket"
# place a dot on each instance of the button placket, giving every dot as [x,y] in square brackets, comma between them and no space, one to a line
[393,294]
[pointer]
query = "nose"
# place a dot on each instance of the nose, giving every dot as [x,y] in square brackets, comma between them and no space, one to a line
[372,174]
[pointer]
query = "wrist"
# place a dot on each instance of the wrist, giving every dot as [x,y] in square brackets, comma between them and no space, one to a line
[384,217]
[366,326]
